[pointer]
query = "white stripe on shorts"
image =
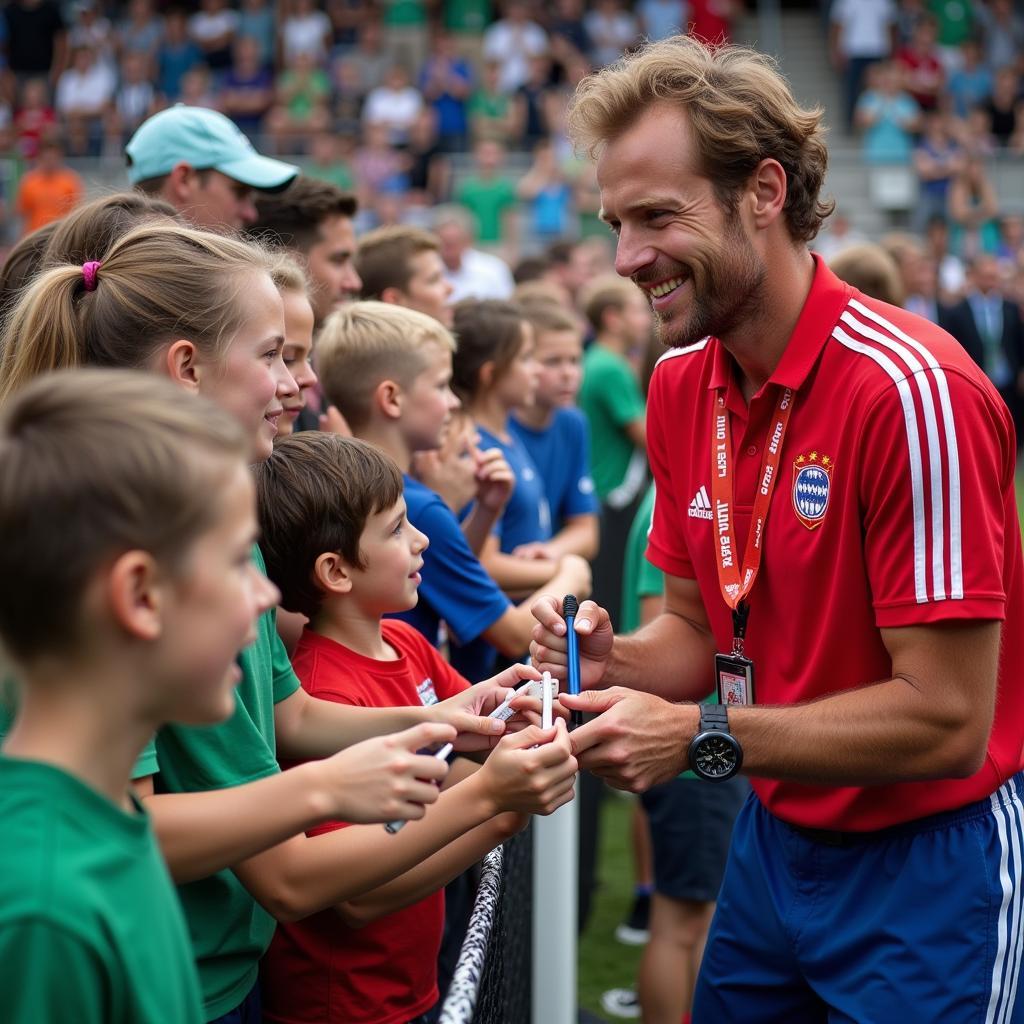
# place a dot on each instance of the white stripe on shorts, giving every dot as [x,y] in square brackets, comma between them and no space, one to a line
[1009,815]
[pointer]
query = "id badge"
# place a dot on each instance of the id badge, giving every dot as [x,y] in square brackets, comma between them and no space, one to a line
[734,678]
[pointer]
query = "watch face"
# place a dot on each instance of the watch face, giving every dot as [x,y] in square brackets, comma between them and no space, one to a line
[715,757]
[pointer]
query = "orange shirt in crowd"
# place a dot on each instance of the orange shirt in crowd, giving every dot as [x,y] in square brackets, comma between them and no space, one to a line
[45,195]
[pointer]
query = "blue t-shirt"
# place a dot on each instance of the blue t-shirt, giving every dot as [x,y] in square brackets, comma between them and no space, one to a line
[888,140]
[173,62]
[455,587]
[561,453]
[527,517]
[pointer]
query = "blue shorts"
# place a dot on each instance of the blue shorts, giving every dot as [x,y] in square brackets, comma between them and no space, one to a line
[917,924]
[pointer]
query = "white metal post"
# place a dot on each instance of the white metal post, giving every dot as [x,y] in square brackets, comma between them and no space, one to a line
[555,871]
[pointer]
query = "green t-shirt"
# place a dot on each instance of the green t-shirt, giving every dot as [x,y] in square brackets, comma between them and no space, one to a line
[90,928]
[338,173]
[955,20]
[610,397]
[640,579]
[488,200]
[404,13]
[230,930]
[491,105]
[316,89]
[469,16]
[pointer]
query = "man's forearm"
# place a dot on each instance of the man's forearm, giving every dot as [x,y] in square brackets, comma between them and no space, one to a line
[880,734]
[670,658]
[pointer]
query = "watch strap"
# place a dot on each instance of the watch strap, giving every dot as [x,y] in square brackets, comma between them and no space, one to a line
[714,717]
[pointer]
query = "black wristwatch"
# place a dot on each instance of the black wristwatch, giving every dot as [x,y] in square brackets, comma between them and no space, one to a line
[715,754]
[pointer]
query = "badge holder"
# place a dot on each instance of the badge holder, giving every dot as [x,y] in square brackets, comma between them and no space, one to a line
[734,672]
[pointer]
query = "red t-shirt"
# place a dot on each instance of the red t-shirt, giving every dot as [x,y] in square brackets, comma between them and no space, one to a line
[894,507]
[318,971]
[711,21]
[924,75]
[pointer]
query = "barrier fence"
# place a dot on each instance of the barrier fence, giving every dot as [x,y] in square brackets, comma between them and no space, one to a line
[492,980]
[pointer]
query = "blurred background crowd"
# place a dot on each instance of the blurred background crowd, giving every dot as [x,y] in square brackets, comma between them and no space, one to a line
[451,114]
[415,103]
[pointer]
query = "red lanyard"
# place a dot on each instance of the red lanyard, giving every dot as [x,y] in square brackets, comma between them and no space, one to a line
[735,583]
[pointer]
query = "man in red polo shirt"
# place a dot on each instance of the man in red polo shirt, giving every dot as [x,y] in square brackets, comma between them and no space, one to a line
[837,523]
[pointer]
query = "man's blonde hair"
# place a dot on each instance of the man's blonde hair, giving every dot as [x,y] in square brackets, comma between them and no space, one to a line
[365,343]
[740,111]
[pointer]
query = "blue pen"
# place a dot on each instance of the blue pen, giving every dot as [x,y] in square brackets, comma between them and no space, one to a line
[570,606]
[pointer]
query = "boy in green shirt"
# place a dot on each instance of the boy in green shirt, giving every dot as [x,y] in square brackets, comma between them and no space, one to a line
[611,399]
[134,594]
[490,196]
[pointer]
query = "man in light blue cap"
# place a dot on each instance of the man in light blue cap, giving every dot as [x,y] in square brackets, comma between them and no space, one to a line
[201,163]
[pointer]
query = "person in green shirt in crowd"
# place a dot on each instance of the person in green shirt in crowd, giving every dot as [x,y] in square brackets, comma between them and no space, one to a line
[490,196]
[613,403]
[232,824]
[134,594]
[490,110]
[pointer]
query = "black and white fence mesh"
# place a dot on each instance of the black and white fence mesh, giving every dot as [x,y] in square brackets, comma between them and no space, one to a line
[492,980]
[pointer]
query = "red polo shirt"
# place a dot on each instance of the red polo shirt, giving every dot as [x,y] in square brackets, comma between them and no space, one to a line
[894,507]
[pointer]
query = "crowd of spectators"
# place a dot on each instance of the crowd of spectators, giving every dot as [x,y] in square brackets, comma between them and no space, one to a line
[377,97]
[935,91]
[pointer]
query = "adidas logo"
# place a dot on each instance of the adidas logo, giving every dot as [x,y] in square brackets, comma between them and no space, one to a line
[700,507]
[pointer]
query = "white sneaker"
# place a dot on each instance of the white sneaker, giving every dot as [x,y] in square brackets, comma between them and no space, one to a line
[621,1002]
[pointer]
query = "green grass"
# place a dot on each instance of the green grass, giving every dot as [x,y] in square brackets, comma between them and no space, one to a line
[604,962]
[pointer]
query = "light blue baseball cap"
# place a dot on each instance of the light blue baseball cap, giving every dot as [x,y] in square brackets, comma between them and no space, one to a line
[204,139]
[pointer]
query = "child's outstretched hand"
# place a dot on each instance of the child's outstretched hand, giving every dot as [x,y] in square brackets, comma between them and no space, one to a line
[468,711]
[527,778]
[384,779]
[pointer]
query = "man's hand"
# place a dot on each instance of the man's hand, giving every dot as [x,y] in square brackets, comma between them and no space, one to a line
[548,647]
[637,741]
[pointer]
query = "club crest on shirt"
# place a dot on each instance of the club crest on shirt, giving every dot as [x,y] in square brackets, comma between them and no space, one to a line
[426,692]
[812,485]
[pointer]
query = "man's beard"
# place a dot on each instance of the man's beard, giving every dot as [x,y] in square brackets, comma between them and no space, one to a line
[727,290]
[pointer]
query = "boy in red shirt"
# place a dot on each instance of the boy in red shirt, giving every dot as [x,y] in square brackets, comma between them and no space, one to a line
[340,547]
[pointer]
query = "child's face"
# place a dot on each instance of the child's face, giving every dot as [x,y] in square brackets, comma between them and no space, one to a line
[391,549]
[558,355]
[252,381]
[427,290]
[296,355]
[517,385]
[429,401]
[211,611]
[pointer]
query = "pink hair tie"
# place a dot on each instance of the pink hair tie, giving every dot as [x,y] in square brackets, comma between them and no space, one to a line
[89,271]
